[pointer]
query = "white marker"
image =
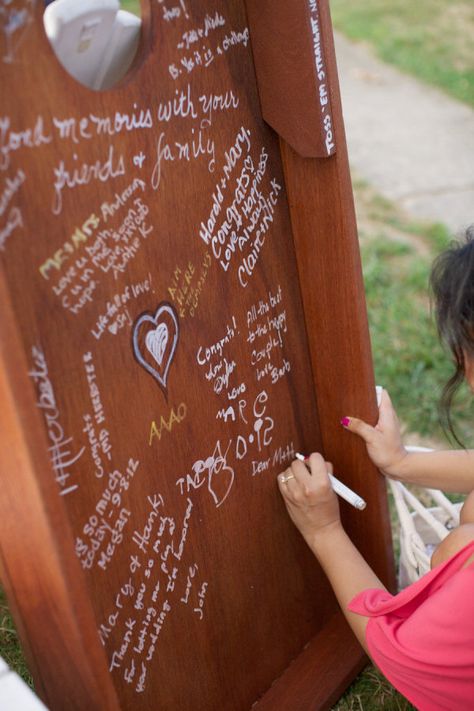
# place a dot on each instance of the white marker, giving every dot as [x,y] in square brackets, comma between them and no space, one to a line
[341,489]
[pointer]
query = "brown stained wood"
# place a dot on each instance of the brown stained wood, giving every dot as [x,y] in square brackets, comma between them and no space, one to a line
[288,43]
[319,675]
[182,311]
[325,233]
[55,620]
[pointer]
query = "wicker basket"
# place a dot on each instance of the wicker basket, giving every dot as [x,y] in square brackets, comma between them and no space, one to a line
[422,528]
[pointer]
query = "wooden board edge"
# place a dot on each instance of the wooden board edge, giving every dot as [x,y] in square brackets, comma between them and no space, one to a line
[317,678]
[41,575]
[323,221]
[288,45]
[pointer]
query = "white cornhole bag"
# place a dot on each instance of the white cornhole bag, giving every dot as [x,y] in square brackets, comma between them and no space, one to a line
[94,40]
[121,50]
[15,695]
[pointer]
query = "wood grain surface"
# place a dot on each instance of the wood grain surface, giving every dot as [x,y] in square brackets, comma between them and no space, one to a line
[182,311]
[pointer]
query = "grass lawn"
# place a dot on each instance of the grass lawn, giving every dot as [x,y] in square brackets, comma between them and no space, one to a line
[10,648]
[131,6]
[372,692]
[409,361]
[431,39]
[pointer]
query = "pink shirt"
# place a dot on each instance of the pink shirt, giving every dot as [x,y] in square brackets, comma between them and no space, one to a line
[423,638]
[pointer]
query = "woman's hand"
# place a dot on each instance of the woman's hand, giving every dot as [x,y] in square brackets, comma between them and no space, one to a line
[384,442]
[314,509]
[309,498]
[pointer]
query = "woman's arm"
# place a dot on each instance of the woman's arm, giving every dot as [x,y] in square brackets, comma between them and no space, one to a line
[448,470]
[314,509]
[348,573]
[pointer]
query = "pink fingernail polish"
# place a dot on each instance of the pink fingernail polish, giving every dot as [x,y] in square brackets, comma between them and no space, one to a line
[345,422]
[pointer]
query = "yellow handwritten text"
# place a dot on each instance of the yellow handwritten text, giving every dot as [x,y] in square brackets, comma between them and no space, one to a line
[187,283]
[174,418]
[78,237]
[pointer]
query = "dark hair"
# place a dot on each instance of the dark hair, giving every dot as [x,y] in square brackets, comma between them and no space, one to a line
[452,286]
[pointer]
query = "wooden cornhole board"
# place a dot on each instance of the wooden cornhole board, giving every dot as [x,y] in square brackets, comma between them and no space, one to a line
[182,310]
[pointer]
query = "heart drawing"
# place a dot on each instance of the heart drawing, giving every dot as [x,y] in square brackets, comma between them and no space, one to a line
[155,338]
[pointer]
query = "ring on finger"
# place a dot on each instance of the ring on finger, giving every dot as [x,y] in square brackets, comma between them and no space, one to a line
[284,478]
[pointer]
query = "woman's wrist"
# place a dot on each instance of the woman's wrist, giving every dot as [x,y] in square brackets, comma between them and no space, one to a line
[324,537]
[401,469]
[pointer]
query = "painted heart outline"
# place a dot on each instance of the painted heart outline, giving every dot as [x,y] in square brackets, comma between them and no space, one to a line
[145,337]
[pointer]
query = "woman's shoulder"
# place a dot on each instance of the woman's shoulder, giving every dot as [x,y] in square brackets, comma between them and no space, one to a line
[423,638]
[374,603]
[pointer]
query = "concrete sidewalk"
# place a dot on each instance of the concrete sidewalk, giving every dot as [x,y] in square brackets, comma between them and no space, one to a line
[413,143]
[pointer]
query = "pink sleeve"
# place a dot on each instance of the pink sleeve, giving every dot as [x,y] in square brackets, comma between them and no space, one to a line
[423,638]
